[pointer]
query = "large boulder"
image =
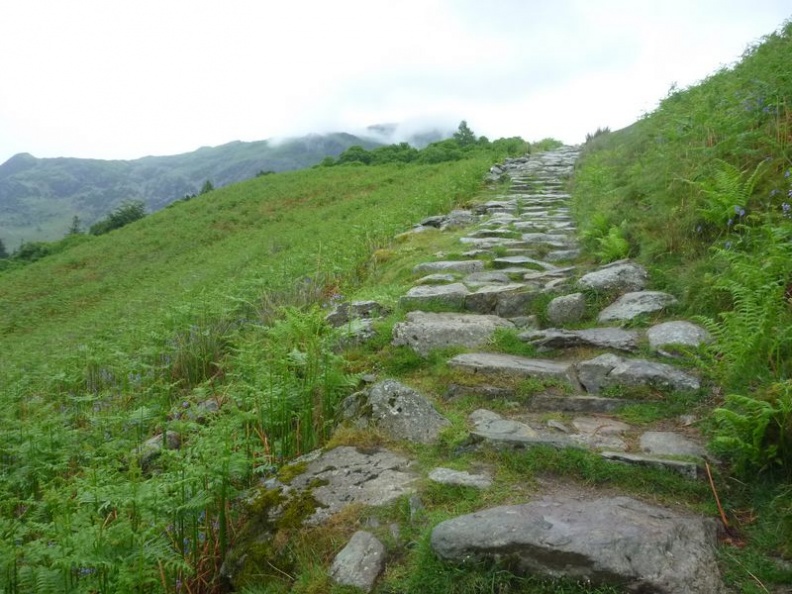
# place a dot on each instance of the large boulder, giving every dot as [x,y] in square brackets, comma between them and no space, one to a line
[424,331]
[402,413]
[662,336]
[345,475]
[620,276]
[615,540]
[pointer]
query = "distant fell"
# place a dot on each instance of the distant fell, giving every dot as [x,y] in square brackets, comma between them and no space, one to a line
[40,197]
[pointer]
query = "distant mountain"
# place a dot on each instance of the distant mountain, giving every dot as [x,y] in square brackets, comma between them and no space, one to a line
[39,197]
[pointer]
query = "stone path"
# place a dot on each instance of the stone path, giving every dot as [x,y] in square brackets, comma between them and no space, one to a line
[521,250]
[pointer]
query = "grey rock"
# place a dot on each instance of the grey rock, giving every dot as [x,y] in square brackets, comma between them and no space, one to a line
[344,476]
[355,332]
[495,363]
[486,277]
[463,266]
[680,332]
[485,300]
[481,391]
[436,279]
[576,403]
[605,338]
[447,297]
[402,413]
[516,303]
[344,313]
[609,370]
[609,540]
[632,305]
[562,255]
[618,276]
[498,431]
[448,476]
[687,469]
[525,322]
[667,443]
[151,449]
[360,562]
[600,433]
[423,331]
[521,261]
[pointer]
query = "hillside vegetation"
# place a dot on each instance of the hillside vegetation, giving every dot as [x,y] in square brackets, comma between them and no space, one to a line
[136,334]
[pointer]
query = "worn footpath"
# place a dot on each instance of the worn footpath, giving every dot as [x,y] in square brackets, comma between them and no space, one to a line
[521,255]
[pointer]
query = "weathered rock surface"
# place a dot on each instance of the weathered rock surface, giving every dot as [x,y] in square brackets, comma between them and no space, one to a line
[566,309]
[423,331]
[448,476]
[360,562]
[523,261]
[576,403]
[605,338]
[619,276]
[346,475]
[344,313]
[486,277]
[631,305]
[495,363]
[668,443]
[447,297]
[151,449]
[610,370]
[436,279]
[463,266]
[492,428]
[615,540]
[687,469]
[403,413]
[679,332]
[486,299]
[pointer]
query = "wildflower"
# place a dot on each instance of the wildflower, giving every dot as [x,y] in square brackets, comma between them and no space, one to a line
[698,229]
[773,193]
[787,208]
[727,245]
[787,173]
[729,222]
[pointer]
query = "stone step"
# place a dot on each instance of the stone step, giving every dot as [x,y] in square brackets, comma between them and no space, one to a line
[603,338]
[515,366]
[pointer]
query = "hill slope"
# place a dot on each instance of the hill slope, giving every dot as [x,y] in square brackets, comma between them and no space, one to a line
[39,197]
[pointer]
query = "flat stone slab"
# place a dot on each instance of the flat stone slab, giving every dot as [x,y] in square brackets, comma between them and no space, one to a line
[448,476]
[345,476]
[463,266]
[424,331]
[631,305]
[662,336]
[487,277]
[513,365]
[492,428]
[687,469]
[521,261]
[446,297]
[617,276]
[436,279]
[668,443]
[610,370]
[577,403]
[360,562]
[617,540]
[605,338]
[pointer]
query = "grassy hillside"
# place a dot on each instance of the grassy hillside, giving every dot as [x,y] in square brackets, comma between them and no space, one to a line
[39,197]
[132,334]
[700,191]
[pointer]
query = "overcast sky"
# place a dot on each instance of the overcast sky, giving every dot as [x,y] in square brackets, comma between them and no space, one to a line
[120,79]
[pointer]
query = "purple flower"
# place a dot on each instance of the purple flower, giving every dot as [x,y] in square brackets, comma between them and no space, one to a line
[730,222]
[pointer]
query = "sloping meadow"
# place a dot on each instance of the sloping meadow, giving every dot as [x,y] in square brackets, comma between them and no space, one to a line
[150,375]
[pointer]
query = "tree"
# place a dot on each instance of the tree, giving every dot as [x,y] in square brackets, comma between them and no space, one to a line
[464,136]
[128,212]
[3,251]
[206,188]
[76,226]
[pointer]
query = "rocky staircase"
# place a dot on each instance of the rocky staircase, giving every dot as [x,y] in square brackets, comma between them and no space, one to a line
[522,256]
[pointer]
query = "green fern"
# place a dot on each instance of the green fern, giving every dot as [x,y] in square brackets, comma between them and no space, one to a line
[727,192]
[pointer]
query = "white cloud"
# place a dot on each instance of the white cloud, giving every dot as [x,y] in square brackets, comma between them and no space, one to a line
[122,79]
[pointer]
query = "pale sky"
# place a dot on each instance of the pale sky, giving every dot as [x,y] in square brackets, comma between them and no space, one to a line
[120,79]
